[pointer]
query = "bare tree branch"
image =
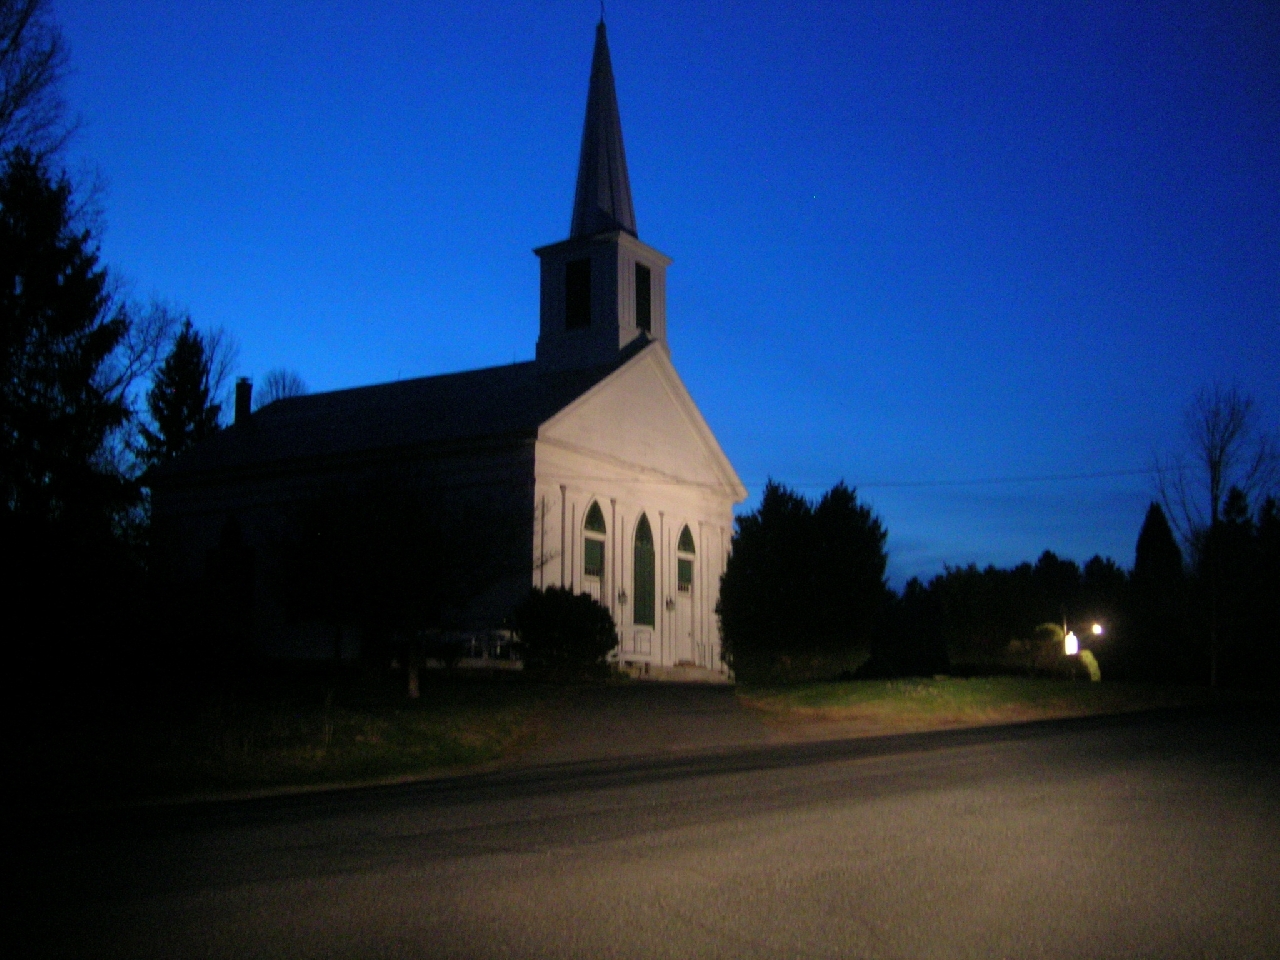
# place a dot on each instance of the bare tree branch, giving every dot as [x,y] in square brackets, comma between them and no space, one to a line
[1227,448]
[33,63]
[277,385]
[142,349]
[126,374]
[224,355]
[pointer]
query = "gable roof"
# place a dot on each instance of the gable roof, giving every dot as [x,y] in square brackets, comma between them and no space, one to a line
[642,418]
[494,403]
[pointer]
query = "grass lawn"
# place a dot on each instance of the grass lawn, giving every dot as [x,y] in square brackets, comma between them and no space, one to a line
[298,733]
[888,706]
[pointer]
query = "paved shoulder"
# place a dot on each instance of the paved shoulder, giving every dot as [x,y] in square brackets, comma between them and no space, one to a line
[647,718]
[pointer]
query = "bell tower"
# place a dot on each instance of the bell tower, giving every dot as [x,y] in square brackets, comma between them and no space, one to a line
[602,289]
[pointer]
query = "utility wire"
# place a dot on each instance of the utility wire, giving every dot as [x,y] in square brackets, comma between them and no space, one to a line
[981,481]
[899,484]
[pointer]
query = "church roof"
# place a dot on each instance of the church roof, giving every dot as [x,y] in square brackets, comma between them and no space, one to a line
[602,201]
[495,403]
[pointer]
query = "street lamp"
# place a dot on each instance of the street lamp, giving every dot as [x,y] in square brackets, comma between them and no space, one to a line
[1071,643]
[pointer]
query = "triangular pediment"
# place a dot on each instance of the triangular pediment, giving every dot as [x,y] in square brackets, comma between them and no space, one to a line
[642,418]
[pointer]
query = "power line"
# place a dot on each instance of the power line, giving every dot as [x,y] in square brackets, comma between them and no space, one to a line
[981,481]
[899,484]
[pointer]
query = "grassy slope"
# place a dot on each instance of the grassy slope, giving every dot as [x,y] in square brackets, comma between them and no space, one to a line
[296,734]
[918,704]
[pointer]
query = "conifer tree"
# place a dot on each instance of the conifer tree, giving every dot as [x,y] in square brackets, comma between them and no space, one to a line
[63,501]
[1160,642]
[57,331]
[179,400]
[804,582]
[1157,559]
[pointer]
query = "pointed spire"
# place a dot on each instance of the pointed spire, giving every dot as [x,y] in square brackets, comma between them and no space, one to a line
[602,200]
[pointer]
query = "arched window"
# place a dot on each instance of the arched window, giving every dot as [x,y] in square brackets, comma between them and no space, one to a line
[684,564]
[593,542]
[643,569]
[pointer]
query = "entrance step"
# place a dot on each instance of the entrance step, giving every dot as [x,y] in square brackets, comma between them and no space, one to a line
[681,673]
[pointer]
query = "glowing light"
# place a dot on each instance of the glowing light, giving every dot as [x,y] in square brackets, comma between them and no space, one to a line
[1072,644]
[1097,629]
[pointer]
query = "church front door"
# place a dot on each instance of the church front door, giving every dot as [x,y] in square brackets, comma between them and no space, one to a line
[684,628]
[686,555]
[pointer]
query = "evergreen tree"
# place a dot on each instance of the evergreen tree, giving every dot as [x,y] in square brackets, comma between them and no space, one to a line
[1158,641]
[914,644]
[57,329]
[1233,550]
[1104,589]
[1266,592]
[1055,587]
[63,497]
[805,583]
[849,578]
[1157,559]
[179,399]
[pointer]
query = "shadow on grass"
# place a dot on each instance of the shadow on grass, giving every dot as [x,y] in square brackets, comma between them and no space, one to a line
[281,726]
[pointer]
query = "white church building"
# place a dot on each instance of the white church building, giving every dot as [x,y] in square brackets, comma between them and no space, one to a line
[615,483]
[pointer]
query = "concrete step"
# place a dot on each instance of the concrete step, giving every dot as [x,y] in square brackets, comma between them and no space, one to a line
[683,673]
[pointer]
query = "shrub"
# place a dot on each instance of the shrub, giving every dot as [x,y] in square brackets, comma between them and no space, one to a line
[561,630]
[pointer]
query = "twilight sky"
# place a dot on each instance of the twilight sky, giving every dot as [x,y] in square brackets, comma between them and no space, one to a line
[975,259]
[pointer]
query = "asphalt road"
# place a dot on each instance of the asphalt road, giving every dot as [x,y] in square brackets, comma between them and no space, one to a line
[1141,836]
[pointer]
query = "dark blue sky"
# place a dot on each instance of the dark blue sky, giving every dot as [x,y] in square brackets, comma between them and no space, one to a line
[916,245]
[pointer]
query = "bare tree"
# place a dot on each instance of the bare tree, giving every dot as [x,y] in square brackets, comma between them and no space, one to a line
[224,355]
[33,62]
[125,374]
[279,384]
[1227,447]
[142,347]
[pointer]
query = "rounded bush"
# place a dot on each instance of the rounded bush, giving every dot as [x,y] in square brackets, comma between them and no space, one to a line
[562,630]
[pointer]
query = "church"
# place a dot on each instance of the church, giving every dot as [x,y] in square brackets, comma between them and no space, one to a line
[593,456]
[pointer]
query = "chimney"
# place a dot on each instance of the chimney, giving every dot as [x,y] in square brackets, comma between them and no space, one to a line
[244,399]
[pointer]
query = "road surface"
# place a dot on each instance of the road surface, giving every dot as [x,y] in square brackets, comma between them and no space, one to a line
[1142,836]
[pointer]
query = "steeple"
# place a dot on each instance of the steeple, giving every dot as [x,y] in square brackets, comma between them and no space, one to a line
[602,201]
[602,289]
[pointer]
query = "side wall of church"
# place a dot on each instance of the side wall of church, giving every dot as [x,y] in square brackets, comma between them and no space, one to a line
[685,628]
[195,515]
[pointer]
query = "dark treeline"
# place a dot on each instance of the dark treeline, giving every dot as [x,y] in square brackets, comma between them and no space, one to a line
[804,596]
[988,617]
[1235,596]
[1160,619]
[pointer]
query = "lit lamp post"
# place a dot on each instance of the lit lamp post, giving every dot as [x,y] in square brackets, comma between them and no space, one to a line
[1071,642]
